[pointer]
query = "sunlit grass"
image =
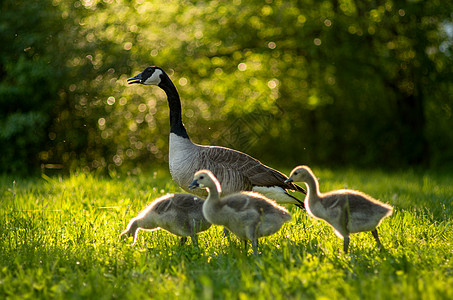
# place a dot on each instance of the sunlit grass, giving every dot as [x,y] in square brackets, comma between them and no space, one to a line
[59,239]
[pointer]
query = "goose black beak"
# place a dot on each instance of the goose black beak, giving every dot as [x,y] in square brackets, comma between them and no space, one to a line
[135,79]
[194,185]
[289,180]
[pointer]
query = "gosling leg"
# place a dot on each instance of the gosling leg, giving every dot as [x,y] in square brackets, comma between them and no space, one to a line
[245,245]
[346,244]
[255,246]
[194,238]
[344,228]
[193,233]
[183,240]
[226,233]
[376,237]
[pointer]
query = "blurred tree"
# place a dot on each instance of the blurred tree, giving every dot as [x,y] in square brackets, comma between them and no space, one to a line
[329,82]
[28,81]
[351,78]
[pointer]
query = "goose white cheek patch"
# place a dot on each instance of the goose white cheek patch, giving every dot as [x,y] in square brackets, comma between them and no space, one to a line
[154,79]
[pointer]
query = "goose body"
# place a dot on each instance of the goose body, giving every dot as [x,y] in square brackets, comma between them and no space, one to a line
[248,215]
[347,211]
[180,214]
[235,170]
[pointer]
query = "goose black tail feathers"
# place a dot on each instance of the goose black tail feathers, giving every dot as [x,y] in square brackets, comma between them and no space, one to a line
[300,204]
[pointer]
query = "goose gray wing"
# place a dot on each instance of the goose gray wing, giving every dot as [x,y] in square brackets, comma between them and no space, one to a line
[222,161]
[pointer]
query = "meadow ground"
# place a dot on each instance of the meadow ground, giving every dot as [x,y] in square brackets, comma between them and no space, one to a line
[59,239]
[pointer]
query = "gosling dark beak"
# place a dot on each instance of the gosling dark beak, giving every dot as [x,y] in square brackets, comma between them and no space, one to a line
[135,79]
[289,180]
[194,185]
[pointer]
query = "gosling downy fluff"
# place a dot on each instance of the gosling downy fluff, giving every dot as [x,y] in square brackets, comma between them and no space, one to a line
[347,211]
[248,215]
[180,214]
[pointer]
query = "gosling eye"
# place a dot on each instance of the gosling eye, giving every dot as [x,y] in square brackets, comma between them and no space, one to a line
[202,177]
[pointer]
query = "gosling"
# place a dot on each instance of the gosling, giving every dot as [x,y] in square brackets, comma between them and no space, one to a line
[248,215]
[180,214]
[347,211]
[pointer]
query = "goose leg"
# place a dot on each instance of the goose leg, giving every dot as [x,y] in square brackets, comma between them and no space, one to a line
[376,237]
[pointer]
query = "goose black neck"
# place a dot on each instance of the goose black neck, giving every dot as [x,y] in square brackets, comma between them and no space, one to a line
[174,103]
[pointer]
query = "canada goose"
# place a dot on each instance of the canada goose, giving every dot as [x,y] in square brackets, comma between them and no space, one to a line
[236,171]
[248,215]
[347,211]
[180,214]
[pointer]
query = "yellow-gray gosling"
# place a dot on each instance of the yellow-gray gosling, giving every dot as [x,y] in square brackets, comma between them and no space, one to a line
[347,211]
[180,214]
[248,215]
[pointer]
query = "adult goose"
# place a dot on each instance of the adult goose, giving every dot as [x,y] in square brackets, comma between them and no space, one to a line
[235,170]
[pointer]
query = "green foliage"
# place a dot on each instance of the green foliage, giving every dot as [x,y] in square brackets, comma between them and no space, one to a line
[28,85]
[334,82]
[59,239]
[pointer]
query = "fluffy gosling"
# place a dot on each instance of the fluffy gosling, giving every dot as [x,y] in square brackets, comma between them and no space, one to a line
[347,211]
[248,215]
[180,214]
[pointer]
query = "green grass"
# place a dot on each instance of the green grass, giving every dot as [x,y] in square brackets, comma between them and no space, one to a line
[59,239]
